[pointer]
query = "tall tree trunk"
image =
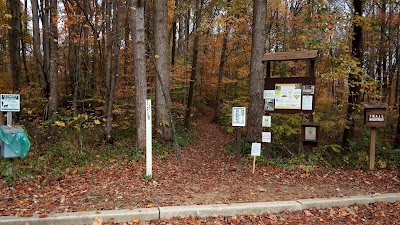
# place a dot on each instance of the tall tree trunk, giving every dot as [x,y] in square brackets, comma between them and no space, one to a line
[85,53]
[173,47]
[382,64]
[199,5]
[36,43]
[256,89]
[185,51]
[221,73]
[97,66]
[45,9]
[113,43]
[139,61]
[161,46]
[127,31]
[397,138]
[354,80]
[181,30]
[24,29]
[53,69]
[14,37]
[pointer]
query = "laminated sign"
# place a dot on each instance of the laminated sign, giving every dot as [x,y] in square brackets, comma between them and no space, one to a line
[238,116]
[10,103]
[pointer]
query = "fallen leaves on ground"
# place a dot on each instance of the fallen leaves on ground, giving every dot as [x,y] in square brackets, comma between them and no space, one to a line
[207,176]
[374,213]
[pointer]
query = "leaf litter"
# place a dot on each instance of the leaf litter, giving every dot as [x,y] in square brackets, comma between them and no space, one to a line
[207,176]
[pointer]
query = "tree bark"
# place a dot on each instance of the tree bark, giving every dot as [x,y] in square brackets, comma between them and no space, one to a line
[181,31]
[173,47]
[354,80]
[45,10]
[199,4]
[397,138]
[139,63]
[256,89]
[24,28]
[161,46]
[85,53]
[221,73]
[127,65]
[113,45]
[36,42]
[53,63]
[14,37]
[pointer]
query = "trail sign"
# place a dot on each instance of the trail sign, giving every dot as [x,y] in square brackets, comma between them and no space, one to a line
[10,103]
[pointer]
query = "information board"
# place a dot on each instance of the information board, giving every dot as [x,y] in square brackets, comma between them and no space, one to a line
[288,96]
[266,137]
[310,133]
[266,121]
[10,103]
[256,149]
[238,116]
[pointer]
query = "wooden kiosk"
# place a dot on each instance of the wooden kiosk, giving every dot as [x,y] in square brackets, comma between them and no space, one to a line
[294,94]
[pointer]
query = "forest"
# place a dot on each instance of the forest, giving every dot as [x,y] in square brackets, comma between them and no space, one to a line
[84,69]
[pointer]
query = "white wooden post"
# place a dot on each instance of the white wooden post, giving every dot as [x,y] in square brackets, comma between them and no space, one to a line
[149,149]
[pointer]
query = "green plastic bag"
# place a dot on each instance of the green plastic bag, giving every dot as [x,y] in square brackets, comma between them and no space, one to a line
[16,139]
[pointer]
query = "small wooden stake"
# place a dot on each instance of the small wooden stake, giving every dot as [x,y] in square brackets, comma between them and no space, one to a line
[254,163]
[372,149]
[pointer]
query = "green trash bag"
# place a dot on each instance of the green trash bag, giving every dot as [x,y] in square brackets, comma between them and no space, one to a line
[16,139]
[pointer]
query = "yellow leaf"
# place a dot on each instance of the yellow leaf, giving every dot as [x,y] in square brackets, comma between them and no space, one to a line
[60,123]
[157,56]
[97,122]
[164,123]
[77,127]
[133,8]
[98,221]
[8,16]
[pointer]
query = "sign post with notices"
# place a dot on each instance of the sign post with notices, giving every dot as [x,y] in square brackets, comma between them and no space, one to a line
[10,103]
[239,121]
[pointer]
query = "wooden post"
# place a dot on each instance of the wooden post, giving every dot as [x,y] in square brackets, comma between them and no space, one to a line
[254,164]
[372,149]
[238,146]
